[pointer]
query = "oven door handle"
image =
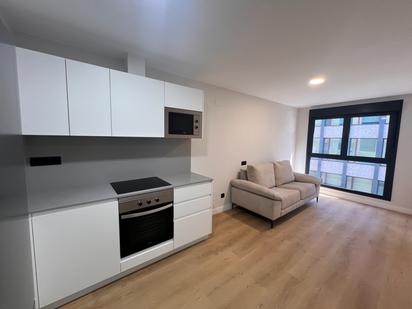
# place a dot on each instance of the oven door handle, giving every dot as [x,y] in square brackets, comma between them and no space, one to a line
[139,214]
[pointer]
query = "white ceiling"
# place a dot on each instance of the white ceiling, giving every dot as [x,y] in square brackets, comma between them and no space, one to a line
[269,49]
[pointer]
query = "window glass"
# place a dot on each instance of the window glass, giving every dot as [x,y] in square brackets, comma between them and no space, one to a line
[316,142]
[362,184]
[381,187]
[330,171]
[368,135]
[357,176]
[331,179]
[327,136]
[370,119]
[335,145]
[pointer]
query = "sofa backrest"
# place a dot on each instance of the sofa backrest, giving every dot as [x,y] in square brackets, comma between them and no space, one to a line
[282,172]
[262,174]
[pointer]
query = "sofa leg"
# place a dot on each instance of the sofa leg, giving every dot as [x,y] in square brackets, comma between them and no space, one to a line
[271,224]
[317,199]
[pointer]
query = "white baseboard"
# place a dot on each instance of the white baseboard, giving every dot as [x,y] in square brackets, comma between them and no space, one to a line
[365,200]
[219,209]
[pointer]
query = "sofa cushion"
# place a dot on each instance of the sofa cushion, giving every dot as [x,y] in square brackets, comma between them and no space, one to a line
[262,174]
[288,197]
[305,189]
[283,172]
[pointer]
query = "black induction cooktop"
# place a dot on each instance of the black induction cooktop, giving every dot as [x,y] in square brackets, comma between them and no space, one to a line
[140,184]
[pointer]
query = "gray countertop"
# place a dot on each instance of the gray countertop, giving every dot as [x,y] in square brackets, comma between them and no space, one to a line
[49,199]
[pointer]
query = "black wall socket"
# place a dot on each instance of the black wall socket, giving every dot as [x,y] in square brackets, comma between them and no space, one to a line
[243,163]
[222,195]
[44,161]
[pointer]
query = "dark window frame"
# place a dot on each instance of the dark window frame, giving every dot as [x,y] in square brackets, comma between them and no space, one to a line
[392,108]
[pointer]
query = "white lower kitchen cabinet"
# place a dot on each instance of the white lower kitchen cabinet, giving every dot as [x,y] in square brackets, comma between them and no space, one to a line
[192,213]
[75,248]
[193,227]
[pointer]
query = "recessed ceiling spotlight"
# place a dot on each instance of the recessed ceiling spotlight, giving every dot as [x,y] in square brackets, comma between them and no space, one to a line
[316,81]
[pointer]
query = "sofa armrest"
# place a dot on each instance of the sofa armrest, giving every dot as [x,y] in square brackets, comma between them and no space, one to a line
[307,178]
[255,188]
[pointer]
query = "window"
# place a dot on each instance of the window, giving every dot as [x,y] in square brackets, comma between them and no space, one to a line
[353,148]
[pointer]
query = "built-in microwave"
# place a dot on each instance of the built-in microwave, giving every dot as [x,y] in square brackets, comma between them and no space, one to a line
[182,123]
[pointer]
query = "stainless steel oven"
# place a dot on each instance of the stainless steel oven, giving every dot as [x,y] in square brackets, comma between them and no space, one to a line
[182,123]
[145,220]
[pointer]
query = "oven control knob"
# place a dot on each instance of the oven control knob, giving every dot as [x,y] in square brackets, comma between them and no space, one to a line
[157,200]
[148,202]
[139,204]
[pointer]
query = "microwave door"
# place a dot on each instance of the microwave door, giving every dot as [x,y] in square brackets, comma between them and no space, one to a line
[180,123]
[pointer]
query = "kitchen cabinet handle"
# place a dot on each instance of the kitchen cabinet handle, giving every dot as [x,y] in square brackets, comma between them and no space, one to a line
[139,214]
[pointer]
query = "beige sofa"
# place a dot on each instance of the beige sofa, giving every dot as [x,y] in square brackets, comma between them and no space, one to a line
[272,189]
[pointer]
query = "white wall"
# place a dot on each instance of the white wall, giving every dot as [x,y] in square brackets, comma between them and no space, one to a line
[401,192]
[301,139]
[237,127]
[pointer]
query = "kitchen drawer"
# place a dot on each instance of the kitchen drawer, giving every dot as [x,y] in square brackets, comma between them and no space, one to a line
[193,227]
[191,192]
[146,255]
[192,206]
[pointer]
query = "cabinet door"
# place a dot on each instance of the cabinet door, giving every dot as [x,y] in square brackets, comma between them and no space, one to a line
[88,88]
[178,96]
[191,228]
[137,105]
[75,248]
[43,93]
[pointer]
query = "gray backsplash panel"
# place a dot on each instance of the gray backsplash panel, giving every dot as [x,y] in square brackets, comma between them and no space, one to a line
[88,160]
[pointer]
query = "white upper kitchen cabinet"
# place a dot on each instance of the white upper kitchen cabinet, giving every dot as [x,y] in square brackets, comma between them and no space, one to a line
[88,88]
[75,248]
[178,96]
[137,105]
[43,93]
